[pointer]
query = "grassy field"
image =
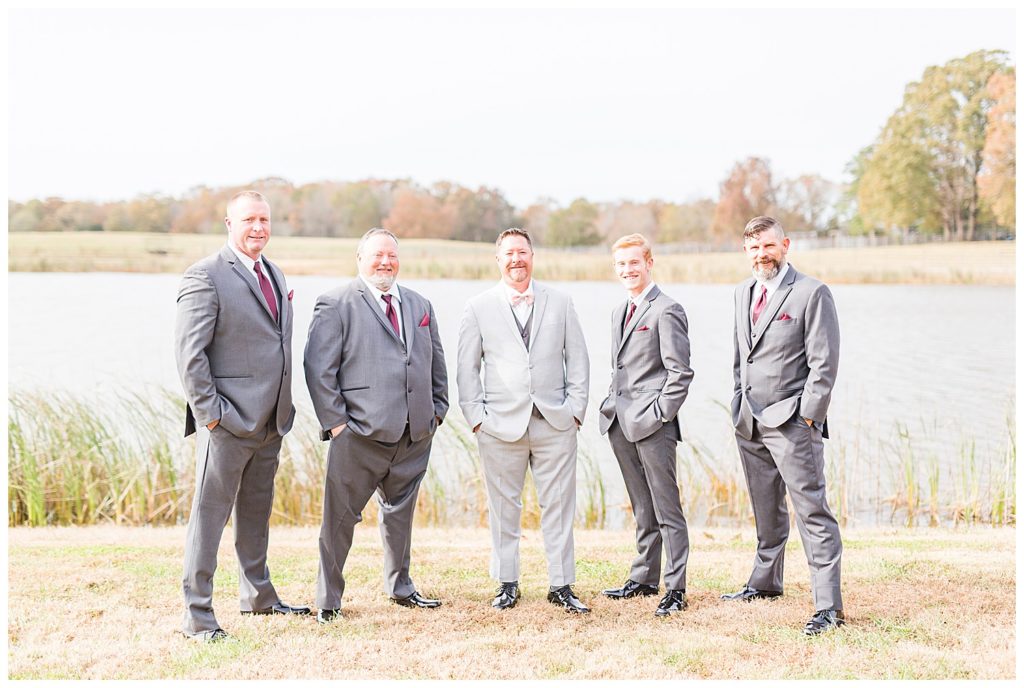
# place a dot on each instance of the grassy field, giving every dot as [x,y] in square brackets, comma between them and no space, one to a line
[105,602]
[990,263]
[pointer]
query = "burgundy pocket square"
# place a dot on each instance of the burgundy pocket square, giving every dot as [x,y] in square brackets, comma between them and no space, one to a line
[426,320]
[642,328]
[785,316]
[291,294]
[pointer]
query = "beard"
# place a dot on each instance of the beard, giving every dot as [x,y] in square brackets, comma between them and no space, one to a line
[382,282]
[766,271]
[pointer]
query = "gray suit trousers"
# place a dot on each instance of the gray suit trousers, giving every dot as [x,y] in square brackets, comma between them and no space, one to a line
[649,471]
[551,455]
[356,467]
[791,457]
[239,473]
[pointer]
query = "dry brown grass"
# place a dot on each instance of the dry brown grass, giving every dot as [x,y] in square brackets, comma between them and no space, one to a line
[105,602]
[989,262]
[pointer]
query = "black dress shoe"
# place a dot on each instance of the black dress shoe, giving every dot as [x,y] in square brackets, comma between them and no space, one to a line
[280,608]
[326,616]
[217,635]
[416,600]
[823,621]
[673,601]
[747,594]
[507,596]
[630,589]
[565,597]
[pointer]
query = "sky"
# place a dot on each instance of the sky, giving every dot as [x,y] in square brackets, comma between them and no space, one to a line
[604,104]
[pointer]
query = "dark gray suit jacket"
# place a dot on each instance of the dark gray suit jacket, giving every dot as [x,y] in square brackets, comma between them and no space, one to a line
[361,373]
[788,363]
[651,371]
[234,360]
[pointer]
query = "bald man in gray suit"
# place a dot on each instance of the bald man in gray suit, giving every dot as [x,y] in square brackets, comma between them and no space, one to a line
[233,344]
[376,373]
[786,356]
[651,376]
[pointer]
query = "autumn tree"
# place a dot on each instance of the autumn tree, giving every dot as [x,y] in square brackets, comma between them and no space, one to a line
[685,222]
[573,226]
[617,219]
[418,214]
[748,191]
[807,203]
[922,171]
[997,181]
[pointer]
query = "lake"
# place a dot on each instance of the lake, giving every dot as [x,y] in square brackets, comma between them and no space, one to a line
[925,371]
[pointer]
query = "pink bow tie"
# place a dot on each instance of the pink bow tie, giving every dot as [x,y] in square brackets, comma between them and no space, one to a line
[521,298]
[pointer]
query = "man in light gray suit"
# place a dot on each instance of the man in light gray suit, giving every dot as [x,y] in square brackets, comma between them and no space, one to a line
[786,355]
[650,379]
[233,337]
[376,373]
[527,341]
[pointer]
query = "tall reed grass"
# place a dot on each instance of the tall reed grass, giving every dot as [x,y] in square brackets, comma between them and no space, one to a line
[122,459]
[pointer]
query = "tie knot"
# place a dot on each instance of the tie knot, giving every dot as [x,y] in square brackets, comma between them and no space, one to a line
[522,298]
[256,267]
[387,298]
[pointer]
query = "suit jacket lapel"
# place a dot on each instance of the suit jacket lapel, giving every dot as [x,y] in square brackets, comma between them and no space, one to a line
[772,309]
[640,310]
[540,303]
[249,279]
[744,314]
[378,311]
[409,323]
[505,308]
[618,315]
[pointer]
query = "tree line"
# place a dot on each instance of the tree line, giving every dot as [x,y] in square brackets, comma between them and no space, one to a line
[943,164]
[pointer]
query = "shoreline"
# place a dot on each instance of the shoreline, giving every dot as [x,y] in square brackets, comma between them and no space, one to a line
[991,263]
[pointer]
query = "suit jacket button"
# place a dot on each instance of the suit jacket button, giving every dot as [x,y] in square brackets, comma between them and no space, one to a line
[410,391]
[748,388]
[620,366]
[750,360]
[620,394]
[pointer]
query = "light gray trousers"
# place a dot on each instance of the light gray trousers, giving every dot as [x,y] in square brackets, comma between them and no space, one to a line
[551,455]
[236,474]
[356,467]
[791,457]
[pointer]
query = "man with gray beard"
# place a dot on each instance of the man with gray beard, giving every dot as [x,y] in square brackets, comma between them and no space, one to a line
[376,374]
[786,355]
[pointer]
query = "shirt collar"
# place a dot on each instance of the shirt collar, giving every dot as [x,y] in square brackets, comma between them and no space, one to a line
[248,262]
[377,293]
[774,282]
[510,292]
[639,298]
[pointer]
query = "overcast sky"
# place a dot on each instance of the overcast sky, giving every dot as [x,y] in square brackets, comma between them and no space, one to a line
[608,105]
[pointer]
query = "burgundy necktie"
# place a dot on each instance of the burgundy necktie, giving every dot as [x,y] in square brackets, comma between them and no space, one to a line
[629,316]
[268,291]
[761,303]
[392,315]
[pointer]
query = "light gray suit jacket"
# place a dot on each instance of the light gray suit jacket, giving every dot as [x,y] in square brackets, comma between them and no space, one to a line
[361,373]
[788,363]
[554,375]
[234,360]
[651,371]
